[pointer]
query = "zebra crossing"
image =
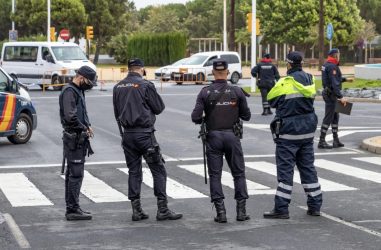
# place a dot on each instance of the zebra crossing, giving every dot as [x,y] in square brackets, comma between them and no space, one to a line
[20,191]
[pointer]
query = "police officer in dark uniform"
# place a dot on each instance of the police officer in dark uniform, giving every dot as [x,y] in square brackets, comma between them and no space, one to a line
[293,129]
[136,104]
[267,75]
[77,130]
[223,105]
[332,85]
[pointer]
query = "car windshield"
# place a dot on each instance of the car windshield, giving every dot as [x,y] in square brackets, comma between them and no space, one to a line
[195,60]
[179,62]
[68,53]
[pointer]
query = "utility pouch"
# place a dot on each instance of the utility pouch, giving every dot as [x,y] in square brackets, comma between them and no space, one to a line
[238,129]
[83,138]
[153,154]
[70,140]
[275,126]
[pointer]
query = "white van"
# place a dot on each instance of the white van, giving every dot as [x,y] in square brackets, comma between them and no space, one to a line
[198,67]
[43,62]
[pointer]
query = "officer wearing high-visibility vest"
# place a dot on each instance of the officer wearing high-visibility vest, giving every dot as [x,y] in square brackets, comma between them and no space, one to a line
[267,75]
[332,83]
[293,130]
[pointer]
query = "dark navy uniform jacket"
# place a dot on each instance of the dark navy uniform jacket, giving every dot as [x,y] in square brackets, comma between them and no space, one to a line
[267,74]
[73,111]
[332,78]
[136,102]
[244,111]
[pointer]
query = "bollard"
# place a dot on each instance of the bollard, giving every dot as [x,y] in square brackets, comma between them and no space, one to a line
[102,84]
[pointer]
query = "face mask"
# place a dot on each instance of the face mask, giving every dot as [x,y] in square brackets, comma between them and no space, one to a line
[85,86]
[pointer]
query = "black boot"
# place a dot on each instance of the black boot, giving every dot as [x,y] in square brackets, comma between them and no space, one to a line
[221,212]
[269,111]
[264,111]
[163,212]
[77,214]
[322,143]
[137,211]
[273,214]
[241,211]
[336,142]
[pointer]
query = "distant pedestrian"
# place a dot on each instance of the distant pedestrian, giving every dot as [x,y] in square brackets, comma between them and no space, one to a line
[136,104]
[332,85]
[224,105]
[293,130]
[76,134]
[267,75]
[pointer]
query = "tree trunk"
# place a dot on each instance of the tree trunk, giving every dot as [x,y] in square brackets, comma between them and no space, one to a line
[321,34]
[232,26]
[97,51]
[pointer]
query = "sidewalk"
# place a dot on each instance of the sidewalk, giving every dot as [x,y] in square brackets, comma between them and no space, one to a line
[372,144]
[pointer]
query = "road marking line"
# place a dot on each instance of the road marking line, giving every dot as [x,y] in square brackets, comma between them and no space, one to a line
[17,233]
[348,170]
[269,168]
[21,192]
[253,188]
[174,190]
[98,191]
[373,160]
[349,224]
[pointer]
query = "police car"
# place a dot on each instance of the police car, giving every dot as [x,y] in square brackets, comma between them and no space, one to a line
[18,117]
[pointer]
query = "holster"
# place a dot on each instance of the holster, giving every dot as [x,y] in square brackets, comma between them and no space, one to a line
[238,129]
[70,140]
[275,126]
[153,153]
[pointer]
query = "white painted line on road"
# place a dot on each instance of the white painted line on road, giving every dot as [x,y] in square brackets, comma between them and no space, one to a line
[98,191]
[253,188]
[270,168]
[175,189]
[346,223]
[16,231]
[21,192]
[349,170]
[367,221]
[373,160]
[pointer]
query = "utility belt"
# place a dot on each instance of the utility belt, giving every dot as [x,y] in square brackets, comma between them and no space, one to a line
[75,141]
[237,129]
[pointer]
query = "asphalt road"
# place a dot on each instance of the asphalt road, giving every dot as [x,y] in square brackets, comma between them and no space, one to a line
[350,178]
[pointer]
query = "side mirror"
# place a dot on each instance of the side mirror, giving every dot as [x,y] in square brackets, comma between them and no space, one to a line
[49,58]
[13,86]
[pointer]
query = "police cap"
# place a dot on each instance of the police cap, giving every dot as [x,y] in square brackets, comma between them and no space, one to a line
[267,55]
[333,51]
[88,73]
[135,62]
[294,57]
[220,64]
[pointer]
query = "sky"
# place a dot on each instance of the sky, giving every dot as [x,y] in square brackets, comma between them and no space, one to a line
[144,3]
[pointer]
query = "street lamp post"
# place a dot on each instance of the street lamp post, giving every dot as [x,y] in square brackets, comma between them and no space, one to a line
[253,42]
[225,31]
[48,28]
[13,12]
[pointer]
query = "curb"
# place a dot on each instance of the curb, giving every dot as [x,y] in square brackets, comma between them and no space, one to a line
[354,99]
[372,144]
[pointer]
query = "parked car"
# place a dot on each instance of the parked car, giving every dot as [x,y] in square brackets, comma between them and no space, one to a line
[43,63]
[164,73]
[18,117]
[198,68]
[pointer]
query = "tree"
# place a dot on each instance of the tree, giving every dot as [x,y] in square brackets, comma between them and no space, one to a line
[162,20]
[107,18]
[5,18]
[31,16]
[370,10]
[232,26]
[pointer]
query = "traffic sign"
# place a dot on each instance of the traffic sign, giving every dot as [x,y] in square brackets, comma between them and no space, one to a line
[65,34]
[329,31]
[13,35]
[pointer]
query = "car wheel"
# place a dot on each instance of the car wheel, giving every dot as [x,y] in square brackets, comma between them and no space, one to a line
[179,83]
[57,80]
[23,130]
[200,77]
[234,78]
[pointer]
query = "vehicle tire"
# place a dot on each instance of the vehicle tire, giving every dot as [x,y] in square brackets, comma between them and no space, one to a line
[234,78]
[57,80]
[23,129]
[179,83]
[200,77]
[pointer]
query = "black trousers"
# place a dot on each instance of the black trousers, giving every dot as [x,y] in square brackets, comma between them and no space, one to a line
[331,118]
[264,92]
[218,144]
[135,145]
[74,175]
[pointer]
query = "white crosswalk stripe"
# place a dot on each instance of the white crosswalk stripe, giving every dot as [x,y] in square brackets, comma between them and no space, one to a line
[349,170]
[175,189]
[270,168]
[253,188]
[98,191]
[21,192]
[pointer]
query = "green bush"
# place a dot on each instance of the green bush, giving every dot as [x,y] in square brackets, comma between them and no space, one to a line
[153,49]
